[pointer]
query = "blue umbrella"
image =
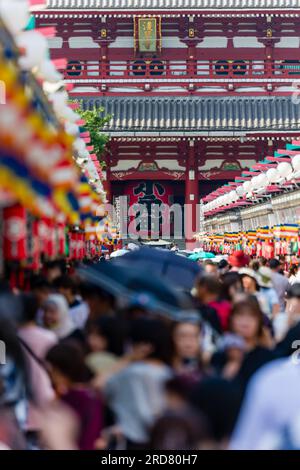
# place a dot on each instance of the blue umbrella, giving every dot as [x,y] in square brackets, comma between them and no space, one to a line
[133,286]
[201,255]
[177,270]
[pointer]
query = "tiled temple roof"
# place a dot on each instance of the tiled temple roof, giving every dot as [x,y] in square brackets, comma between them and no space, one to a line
[208,114]
[174,4]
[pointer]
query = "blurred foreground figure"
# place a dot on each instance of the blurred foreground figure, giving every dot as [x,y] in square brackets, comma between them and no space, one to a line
[36,342]
[218,400]
[57,318]
[71,379]
[78,310]
[290,323]
[187,430]
[187,348]
[280,282]
[271,405]
[136,393]
[14,378]
[248,322]
[105,338]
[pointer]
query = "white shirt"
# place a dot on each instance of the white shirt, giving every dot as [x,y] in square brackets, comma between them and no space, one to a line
[79,314]
[293,279]
[271,401]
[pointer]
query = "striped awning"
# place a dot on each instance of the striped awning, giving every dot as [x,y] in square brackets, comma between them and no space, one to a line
[198,114]
[174,4]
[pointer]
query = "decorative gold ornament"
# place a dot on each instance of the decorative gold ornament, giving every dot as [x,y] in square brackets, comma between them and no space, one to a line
[104,33]
[269,33]
[191,33]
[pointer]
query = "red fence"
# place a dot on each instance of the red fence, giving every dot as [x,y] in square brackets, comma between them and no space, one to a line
[139,69]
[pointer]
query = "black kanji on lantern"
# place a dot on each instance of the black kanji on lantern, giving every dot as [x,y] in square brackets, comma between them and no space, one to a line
[147,198]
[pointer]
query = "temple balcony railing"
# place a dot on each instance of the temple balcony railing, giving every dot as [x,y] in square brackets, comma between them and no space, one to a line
[158,70]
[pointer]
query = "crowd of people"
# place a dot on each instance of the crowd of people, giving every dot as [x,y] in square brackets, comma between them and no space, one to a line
[80,372]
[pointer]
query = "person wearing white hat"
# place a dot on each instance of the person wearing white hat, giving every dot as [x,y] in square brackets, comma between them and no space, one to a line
[250,281]
[267,289]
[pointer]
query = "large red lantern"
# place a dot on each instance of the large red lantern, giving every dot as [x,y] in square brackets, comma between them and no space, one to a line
[15,233]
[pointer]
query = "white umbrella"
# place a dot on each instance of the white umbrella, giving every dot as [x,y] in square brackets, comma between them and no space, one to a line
[133,246]
[116,254]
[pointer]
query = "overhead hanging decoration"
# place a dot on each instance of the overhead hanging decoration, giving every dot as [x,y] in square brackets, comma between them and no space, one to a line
[147,34]
[51,185]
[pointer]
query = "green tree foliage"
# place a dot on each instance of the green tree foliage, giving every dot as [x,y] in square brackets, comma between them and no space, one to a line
[94,123]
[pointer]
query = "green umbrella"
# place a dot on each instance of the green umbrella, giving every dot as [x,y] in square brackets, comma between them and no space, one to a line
[201,255]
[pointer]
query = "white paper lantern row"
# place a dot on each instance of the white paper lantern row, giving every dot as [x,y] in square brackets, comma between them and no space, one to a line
[259,182]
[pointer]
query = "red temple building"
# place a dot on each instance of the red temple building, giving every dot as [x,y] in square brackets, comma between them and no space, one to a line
[197,90]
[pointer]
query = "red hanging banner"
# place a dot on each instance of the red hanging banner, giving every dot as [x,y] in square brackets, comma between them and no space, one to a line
[35,246]
[61,239]
[73,245]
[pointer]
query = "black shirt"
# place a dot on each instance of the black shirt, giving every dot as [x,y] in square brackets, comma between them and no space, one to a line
[253,361]
[285,347]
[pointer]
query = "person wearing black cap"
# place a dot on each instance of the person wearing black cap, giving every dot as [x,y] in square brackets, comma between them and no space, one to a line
[223,267]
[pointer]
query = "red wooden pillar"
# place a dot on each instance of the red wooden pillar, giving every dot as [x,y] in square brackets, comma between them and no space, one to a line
[192,203]
[104,60]
[192,62]
[269,60]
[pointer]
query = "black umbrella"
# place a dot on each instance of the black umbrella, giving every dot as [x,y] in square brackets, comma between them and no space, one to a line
[177,270]
[134,284]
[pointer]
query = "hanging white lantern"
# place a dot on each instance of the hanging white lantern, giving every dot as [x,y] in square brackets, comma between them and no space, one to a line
[262,180]
[59,99]
[36,49]
[224,200]
[273,175]
[255,182]
[71,128]
[296,162]
[227,199]
[79,145]
[240,191]
[230,196]
[15,14]
[284,169]
[85,154]
[247,186]
[233,196]
[48,72]
[66,113]
[81,162]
